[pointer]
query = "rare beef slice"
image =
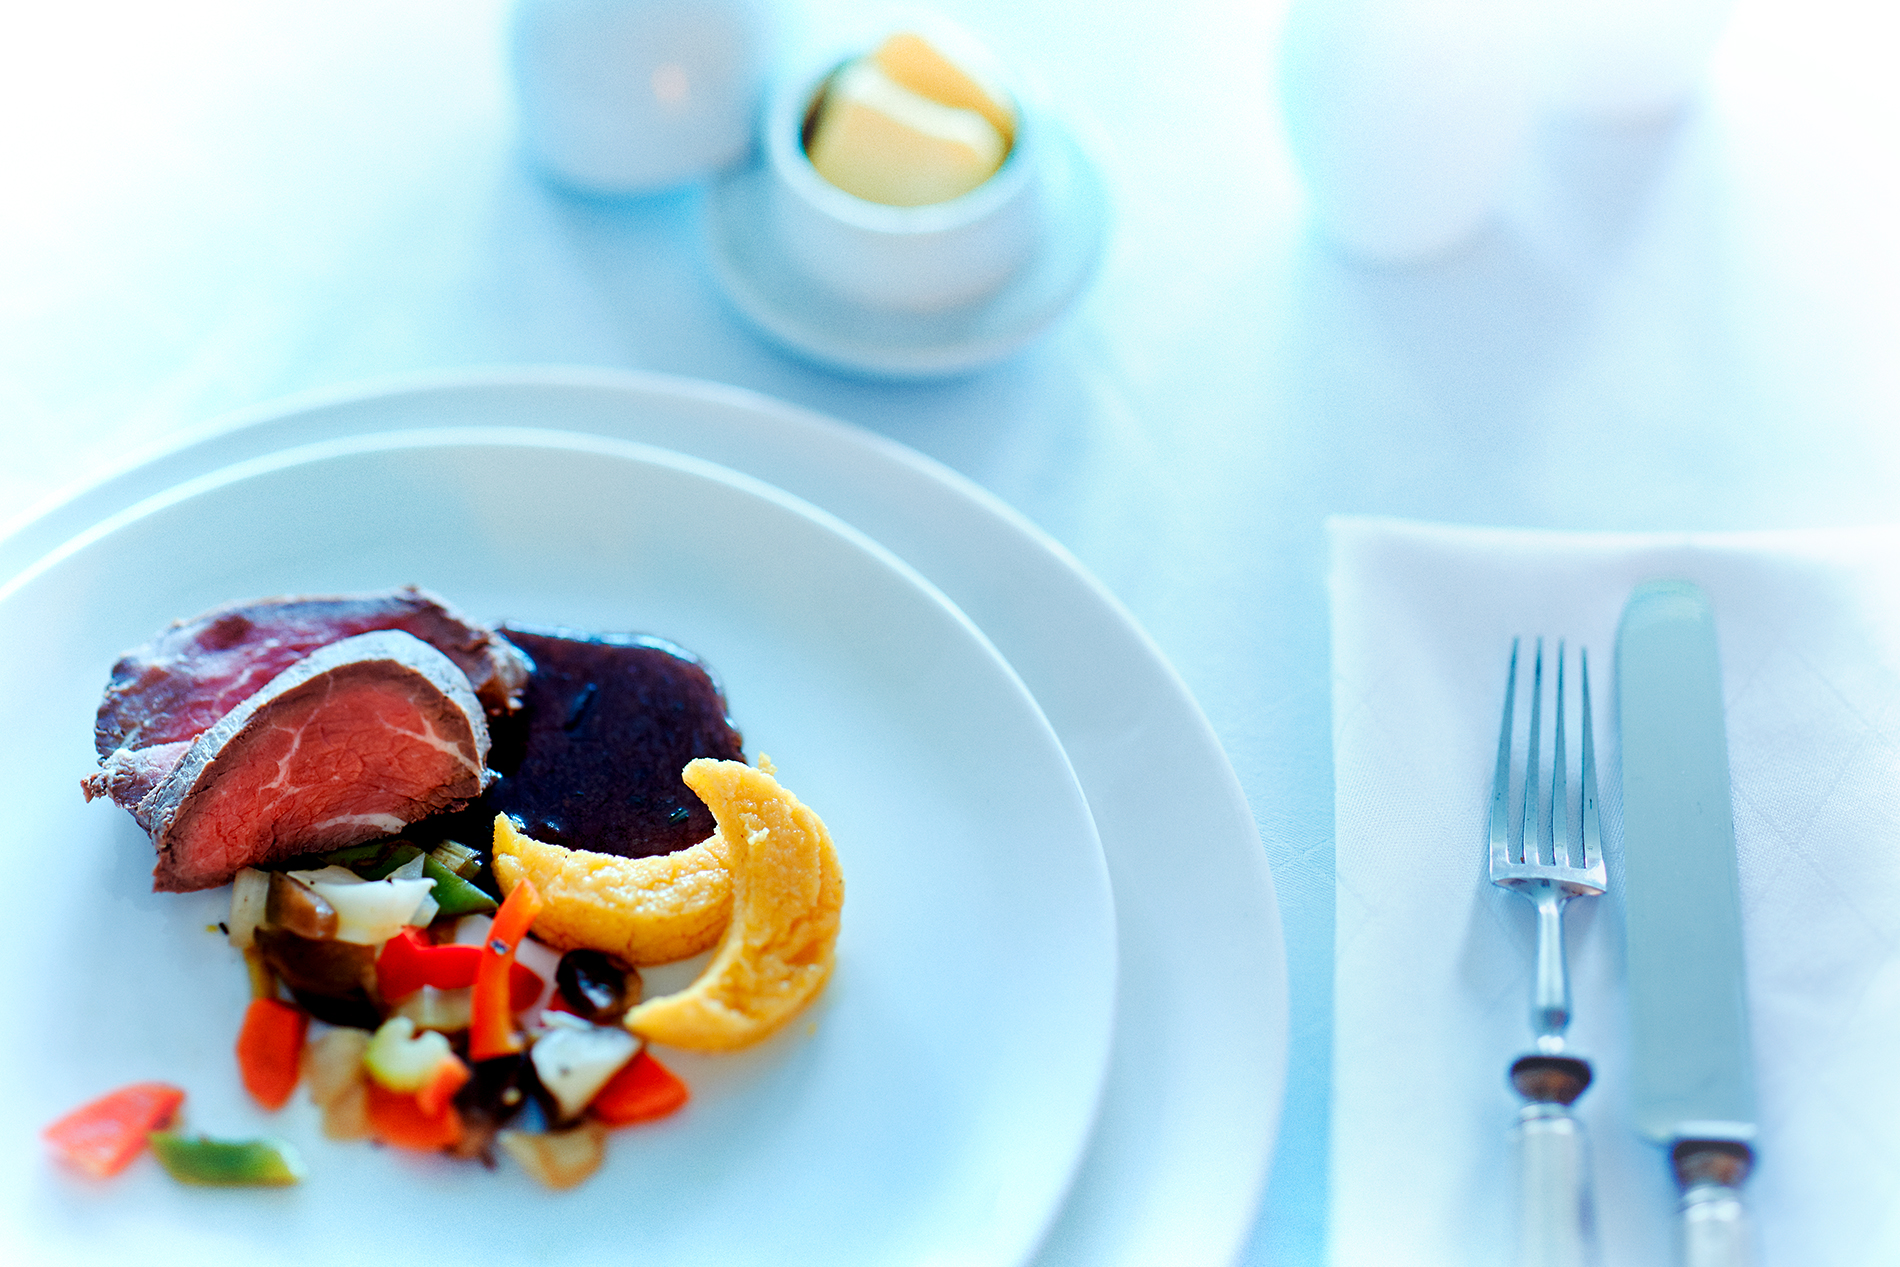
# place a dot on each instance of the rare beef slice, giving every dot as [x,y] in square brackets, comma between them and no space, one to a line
[176,685]
[352,742]
[166,693]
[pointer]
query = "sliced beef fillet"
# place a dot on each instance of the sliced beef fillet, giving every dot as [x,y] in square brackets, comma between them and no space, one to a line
[129,775]
[163,695]
[610,720]
[354,741]
[175,686]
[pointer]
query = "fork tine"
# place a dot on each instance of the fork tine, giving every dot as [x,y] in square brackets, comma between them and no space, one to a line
[1592,834]
[1528,849]
[1559,790]
[1501,782]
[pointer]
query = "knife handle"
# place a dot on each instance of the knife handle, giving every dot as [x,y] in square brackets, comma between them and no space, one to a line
[1715,1228]
[1553,1168]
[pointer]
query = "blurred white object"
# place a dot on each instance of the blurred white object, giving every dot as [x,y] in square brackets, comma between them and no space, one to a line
[918,259]
[1406,116]
[1628,59]
[630,96]
[773,290]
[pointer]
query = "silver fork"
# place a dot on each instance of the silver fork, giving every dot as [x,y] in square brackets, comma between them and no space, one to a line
[1542,865]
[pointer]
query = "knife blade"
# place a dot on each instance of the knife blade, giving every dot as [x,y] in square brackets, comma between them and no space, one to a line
[1693,1086]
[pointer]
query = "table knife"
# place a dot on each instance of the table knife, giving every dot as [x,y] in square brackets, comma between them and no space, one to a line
[1693,1086]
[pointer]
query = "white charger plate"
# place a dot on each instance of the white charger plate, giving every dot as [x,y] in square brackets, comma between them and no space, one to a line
[1186,1131]
[932,1110]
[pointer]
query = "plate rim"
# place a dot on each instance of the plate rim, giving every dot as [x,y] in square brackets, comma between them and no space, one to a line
[646,403]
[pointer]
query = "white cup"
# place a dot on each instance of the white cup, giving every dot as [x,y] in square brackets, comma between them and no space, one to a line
[1631,60]
[1406,117]
[916,259]
[632,96]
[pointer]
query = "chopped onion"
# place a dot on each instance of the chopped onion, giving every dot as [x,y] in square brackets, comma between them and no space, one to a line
[368,912]
[410,870]
[339,1085]
[444,1010]
[332,874]
[332,1062]
[559,1159]
[347,1116]
[424,914]
[250,893]
[574,1059]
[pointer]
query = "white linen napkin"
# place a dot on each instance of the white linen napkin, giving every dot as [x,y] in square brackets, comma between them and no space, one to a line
[1433,963]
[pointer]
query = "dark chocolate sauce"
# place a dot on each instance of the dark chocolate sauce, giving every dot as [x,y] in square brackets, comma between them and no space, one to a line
[593,759]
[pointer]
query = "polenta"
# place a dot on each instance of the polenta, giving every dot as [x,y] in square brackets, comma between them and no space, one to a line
[787,895]
[645,910]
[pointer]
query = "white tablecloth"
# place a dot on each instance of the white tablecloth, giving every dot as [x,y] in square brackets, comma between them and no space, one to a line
[210,203]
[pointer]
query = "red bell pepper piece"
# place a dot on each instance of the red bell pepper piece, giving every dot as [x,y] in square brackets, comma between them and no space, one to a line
[269,1046]
[524,986]
[101,1138]
[643,1090]
[491,1029]
[408,962]
[398,1119]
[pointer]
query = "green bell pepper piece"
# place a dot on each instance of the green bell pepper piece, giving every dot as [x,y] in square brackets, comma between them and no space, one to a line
[354,855]
[396,857]
[453,894]
[227,1162]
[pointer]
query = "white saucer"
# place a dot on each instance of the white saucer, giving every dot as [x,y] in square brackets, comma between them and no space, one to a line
[796,310]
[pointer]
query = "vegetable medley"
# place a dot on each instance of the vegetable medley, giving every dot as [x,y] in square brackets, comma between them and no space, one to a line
[433,1034]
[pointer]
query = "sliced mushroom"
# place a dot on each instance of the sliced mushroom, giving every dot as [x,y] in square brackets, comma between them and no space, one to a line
[297,908]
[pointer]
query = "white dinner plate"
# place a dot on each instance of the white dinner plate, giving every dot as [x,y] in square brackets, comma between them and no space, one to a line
[933,1107]
[1188,1121]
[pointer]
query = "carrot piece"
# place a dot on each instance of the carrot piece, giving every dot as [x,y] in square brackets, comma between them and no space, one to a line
[269,1048]
[101,1138]
[397,1119]
[644,1089]
[442,1084]
[491,1029]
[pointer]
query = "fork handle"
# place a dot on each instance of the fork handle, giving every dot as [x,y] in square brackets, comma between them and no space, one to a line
[1554,1217]
[1550,994]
